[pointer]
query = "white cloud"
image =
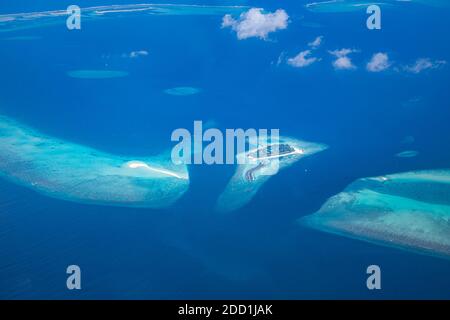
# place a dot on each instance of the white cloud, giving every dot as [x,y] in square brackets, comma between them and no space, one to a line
[316,43]
[301,60]
[423,64]
[342,62]
[379,62]
[342,52]
[254,23]
[228,21]
[135,54]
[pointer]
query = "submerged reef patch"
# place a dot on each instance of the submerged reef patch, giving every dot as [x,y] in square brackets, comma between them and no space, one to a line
[250,177]
[408,210]
[97,74]
[78,173]
[407,154]
[335,6]
[22,21]
[433,3]
[182,91]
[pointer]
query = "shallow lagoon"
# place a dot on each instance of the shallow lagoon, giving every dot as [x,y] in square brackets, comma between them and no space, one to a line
[78,173]
[341,6]
[240,189]
[407,210]
[22,21]
[336,6]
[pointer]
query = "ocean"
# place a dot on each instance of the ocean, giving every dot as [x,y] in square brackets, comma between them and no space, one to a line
[188,250]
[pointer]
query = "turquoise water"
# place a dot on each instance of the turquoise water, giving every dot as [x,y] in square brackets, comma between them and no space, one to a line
[391,210]
[86,118]
[73,172]
[96,74]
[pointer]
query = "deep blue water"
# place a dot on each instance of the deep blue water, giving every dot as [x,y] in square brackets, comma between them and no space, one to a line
[188,250]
